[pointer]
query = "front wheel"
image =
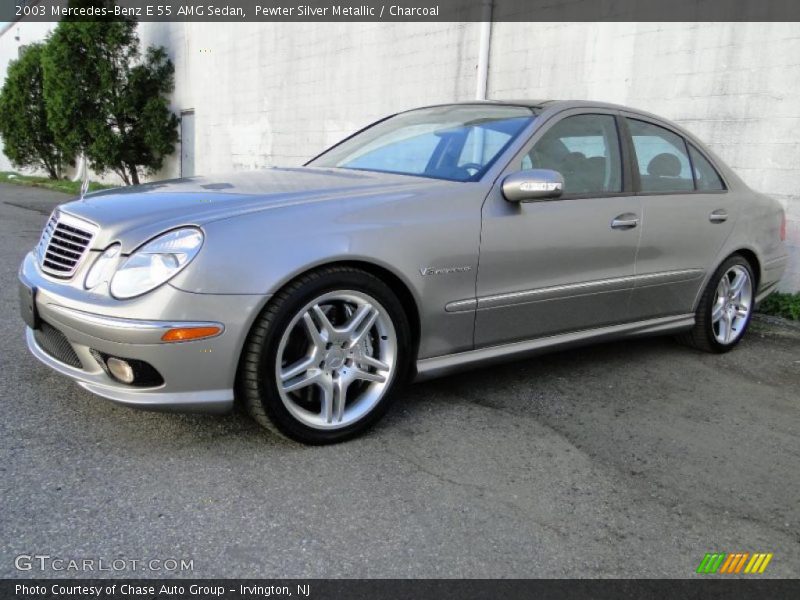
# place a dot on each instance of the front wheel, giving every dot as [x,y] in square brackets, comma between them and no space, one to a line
[322,360]
[725,308]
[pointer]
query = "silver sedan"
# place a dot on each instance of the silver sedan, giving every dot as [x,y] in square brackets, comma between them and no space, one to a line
[433,240]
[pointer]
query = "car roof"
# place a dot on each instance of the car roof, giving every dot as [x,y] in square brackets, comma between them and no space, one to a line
[528,103]
[560,104]
[556,106]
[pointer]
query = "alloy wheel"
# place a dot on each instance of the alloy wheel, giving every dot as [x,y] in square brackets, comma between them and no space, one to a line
[732,305]
[336,359]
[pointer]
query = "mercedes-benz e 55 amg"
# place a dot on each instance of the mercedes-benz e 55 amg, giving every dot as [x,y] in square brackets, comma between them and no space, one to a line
[432,240]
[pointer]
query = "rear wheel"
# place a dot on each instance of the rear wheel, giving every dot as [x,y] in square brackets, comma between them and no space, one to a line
[725,308]
[321,362]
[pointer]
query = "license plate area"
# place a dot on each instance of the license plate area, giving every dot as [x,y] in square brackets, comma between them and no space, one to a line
[27,305]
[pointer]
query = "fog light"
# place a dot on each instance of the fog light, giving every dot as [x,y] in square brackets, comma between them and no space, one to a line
[128,370]
[120,369]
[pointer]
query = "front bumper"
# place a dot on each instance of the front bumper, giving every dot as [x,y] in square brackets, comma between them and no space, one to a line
[198,376]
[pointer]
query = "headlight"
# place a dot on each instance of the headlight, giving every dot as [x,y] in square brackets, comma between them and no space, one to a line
[156,262]
[103,268]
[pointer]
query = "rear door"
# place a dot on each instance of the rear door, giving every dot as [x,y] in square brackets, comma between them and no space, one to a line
[687,214]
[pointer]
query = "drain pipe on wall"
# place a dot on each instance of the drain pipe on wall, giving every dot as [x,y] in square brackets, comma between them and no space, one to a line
[483,49]
[483,75]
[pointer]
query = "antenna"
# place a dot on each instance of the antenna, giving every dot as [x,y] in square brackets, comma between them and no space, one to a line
[84,174]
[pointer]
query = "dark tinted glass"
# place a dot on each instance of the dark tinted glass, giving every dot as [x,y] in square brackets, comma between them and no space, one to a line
[661,157]
[705,175]
[585,150]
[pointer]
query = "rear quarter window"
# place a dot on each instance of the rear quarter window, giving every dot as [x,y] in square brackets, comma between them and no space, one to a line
[705,175]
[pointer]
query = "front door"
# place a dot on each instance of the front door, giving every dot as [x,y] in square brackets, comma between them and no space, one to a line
[566,264]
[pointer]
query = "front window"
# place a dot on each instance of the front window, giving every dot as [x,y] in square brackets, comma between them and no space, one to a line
[458,143]
[585,150]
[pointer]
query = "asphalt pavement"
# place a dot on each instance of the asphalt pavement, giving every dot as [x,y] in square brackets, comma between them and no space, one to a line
[628,459]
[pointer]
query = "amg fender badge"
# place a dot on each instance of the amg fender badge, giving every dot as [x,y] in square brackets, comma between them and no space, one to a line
[443,270]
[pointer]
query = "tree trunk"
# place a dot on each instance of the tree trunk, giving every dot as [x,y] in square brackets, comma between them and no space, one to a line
[134,174]
[48,162]
[123,175]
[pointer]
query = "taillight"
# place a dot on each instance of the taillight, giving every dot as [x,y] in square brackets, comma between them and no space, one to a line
[783,227]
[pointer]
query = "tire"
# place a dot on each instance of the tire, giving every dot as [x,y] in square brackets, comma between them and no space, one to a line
[332,385]
[715,333]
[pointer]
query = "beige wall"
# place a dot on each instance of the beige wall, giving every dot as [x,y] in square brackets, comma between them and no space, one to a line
[735,85]
[267,94]
[275,94]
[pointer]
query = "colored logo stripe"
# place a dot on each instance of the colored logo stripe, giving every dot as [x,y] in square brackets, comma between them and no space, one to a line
[710,563]
[758,563]
[734,562]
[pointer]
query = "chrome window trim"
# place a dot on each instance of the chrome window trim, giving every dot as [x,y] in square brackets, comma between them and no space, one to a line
[688,140]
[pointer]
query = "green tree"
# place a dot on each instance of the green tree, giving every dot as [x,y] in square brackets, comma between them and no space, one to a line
[27,138]
[105,100]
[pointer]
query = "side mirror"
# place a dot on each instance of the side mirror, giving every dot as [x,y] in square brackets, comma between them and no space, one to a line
[533,184]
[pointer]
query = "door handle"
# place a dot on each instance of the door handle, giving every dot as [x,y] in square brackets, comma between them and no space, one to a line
[625,221]
[718,216]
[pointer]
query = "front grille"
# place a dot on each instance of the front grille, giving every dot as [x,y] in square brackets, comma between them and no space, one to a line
[64,242]
[55,343]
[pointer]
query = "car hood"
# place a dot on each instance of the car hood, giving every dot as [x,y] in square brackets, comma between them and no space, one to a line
[135,214]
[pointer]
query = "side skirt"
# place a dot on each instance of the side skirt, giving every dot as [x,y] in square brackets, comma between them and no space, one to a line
[428,368]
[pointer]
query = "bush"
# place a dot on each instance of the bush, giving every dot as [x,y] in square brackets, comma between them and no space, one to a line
[783,305]
[104,100]
[28,139]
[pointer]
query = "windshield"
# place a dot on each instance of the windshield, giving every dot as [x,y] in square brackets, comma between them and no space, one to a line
[458,143]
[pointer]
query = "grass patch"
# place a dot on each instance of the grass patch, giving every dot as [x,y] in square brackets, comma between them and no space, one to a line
[58,185]
[779,304]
